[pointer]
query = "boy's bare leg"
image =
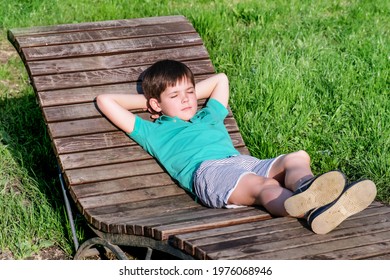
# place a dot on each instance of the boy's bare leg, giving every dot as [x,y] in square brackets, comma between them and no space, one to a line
[257,190]
[294,171]
[285,176]
[291,170]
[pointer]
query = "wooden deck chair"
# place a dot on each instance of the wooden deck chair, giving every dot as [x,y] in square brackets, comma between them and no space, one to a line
[124,194]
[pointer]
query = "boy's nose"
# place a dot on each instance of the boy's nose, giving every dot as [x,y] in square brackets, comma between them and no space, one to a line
[184,98]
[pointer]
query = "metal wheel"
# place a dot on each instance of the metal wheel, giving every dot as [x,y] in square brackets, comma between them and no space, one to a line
[91,247]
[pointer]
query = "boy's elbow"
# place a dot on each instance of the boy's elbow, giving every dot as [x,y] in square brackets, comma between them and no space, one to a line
[98,100]
[101,100]
[223,78]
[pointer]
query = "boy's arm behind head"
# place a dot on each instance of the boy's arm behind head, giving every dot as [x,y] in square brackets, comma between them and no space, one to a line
[216,87]
[116,108]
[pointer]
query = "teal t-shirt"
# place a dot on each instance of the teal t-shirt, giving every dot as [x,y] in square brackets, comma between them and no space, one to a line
[181,146]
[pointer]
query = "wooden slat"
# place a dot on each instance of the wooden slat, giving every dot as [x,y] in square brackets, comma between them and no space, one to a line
[80,127]
[113,171]
[88,79]
[65,28]
[114,46]
[101,77]
[381,253]
[376,249]
[117,32]
[130,196]
[142,209]
[103,157]
[71,112]
[120,185]
[165,231]
[92,142]
[78,112]
[83,95]
[99,62]
[88,94]
[102,217]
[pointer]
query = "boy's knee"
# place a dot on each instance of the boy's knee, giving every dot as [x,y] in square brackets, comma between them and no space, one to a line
[304,155]
[298,157]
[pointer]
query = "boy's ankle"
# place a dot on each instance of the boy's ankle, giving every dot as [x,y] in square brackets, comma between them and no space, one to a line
[302,181]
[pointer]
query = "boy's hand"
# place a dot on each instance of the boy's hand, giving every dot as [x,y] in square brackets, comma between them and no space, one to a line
[153,114]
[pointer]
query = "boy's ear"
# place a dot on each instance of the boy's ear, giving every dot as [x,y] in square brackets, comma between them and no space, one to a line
[155,105]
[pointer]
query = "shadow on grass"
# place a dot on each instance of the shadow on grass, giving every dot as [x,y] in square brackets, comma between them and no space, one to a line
[23,133]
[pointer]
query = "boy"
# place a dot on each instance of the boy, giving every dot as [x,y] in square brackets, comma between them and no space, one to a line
[196,150]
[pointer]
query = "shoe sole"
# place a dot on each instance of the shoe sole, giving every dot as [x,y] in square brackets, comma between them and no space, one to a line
[325,189]
[352,201]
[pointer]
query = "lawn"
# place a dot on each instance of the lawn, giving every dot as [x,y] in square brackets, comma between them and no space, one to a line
[310,75]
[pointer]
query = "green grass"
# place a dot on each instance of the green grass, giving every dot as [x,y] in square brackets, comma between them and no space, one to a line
[310,75]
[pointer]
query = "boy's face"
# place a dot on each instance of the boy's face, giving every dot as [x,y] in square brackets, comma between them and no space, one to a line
[177,101]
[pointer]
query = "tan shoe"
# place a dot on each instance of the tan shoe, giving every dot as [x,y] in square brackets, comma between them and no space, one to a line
[355,198]
[316,192]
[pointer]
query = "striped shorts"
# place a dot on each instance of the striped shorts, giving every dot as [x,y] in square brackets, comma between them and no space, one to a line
[215,180]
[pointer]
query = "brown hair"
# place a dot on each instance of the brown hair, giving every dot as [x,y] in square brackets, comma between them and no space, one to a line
[163,74]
